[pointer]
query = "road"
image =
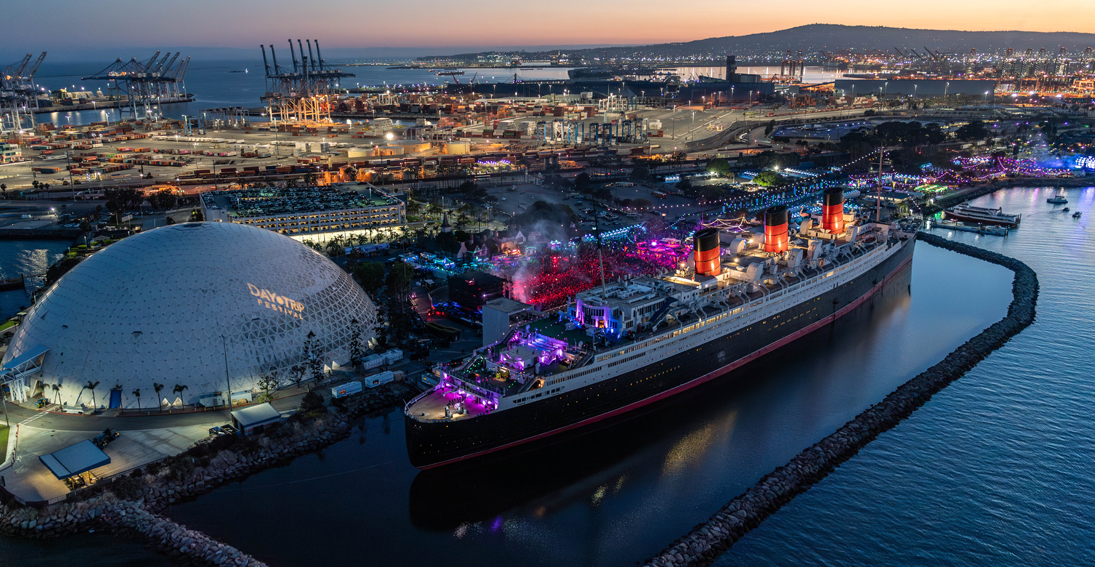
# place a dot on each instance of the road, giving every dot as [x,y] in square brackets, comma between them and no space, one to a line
[154,419]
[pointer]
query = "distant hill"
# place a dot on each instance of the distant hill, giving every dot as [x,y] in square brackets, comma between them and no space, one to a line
[832,37]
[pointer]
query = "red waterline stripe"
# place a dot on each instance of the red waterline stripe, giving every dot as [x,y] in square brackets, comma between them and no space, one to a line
[695,382]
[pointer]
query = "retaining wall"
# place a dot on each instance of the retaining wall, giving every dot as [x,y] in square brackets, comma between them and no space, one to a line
[707,540]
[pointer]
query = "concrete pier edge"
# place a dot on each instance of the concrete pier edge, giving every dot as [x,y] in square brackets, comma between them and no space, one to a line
[708,540]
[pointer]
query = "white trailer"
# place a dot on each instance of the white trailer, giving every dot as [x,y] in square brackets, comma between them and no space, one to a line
[379,379]
[346,389]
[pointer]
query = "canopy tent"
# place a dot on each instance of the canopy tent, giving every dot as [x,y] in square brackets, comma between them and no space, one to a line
[75,459]
[254,418]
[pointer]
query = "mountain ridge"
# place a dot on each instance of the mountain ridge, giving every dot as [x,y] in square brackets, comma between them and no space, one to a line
[811,38]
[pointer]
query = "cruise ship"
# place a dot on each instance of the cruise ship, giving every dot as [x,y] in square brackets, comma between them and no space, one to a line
[623,345]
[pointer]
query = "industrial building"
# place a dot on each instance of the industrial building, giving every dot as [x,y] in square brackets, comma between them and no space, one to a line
[927,88]
[315,213]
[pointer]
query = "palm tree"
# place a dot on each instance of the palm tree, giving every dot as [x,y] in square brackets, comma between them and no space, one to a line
[158,388]
[57,392]
[137,394]
[91,386]
[179,389]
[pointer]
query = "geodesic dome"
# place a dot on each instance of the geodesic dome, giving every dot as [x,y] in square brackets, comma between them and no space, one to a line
[187,305]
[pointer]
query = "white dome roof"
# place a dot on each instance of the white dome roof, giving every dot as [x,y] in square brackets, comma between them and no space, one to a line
[154,307]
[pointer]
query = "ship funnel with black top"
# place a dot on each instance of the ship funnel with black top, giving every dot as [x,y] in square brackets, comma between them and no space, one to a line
[707,252]
[775,229]
[832,211]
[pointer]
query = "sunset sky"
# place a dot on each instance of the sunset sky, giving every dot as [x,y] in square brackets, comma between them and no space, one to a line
[71,25]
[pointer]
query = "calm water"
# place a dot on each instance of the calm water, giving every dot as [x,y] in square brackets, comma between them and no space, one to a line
[86,550]
[997,468]
[215,84]
[219,84]
[26,257]
[615,495]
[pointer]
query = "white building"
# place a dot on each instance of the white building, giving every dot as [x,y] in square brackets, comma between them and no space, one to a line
[310,213]
[196,305]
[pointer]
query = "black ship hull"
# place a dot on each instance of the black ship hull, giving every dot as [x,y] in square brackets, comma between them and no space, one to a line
[440,443]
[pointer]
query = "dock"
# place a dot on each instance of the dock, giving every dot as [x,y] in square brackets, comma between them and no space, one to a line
[979,229]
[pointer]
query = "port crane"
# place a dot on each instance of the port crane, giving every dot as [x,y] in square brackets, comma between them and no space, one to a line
[145,84]
[19,94]
[304,91]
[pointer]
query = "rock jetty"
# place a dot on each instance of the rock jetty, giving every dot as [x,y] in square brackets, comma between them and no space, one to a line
[130,505]
[709,539]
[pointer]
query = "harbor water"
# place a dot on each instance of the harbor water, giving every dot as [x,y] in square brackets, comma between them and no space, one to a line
[223,83]
[618,494]
[28,258]
[995,469]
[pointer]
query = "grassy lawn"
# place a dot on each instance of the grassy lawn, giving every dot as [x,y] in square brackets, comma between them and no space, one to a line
[6,325]
[3,441]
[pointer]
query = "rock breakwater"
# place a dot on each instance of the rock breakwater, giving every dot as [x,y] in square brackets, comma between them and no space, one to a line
[709,539]
[130,505]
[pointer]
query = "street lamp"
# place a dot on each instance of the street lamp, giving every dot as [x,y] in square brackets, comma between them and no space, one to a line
[227,378]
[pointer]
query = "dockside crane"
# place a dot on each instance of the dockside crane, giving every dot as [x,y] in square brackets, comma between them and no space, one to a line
[304,92]
[18,94]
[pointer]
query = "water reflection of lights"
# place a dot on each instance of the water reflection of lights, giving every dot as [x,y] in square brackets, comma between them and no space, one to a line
[693,447]
[598,496]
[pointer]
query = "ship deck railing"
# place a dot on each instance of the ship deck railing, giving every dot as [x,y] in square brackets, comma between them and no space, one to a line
[805,278]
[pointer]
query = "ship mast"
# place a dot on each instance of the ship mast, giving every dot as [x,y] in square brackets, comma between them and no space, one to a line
[600,253]
[878,195]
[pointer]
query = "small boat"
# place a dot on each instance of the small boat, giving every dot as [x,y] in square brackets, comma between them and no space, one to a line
[1058,198]
[1076,215]
[995,230]
[10,284]
[1064,210]
[982,215]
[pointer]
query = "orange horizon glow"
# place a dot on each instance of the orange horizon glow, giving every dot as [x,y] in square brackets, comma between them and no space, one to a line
[432,23]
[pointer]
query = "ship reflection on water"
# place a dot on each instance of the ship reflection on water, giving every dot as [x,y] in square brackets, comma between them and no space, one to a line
[590,466]
[619,491]
[734,425]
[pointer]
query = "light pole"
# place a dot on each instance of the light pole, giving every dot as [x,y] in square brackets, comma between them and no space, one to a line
[227,378]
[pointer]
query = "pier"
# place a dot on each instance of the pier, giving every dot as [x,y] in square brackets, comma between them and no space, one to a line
[709,539]
[106,104]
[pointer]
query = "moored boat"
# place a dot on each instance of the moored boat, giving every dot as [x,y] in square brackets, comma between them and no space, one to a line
[982,215]
[624,345]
